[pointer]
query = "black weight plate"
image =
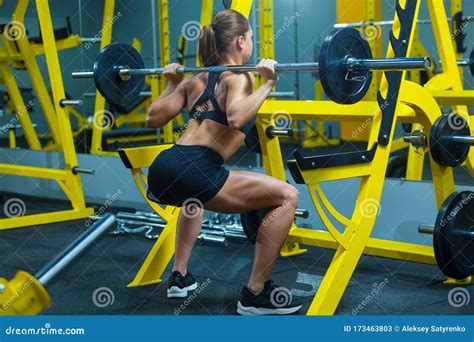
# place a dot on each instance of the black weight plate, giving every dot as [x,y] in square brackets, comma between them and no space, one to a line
[452,238]
[107,79]
[251,140]
[471,62]
[397,167]
[338,85]
[443,151]
[251,221]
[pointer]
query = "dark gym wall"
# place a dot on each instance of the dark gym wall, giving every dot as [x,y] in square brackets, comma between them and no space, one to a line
[314,19]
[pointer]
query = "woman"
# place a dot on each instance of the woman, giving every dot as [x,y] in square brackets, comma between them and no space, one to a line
[222,107]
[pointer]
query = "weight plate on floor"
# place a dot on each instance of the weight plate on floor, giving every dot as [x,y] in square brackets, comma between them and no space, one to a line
[453,235]
[339,85]
[106,76]
[443,151]
[251,221]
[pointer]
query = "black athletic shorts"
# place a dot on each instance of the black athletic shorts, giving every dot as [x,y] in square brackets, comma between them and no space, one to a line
[186,172]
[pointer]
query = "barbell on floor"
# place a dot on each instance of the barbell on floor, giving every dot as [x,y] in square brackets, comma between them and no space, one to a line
[449,142]
[345,68]
[453,235]
[27,295]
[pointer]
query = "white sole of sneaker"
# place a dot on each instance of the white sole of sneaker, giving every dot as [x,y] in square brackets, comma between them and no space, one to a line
[176,292]
[253,311]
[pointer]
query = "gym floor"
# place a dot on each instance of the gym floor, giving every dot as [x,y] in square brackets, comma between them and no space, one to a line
[379,286]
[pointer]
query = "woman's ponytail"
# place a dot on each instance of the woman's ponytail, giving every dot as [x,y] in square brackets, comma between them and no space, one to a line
[208,53]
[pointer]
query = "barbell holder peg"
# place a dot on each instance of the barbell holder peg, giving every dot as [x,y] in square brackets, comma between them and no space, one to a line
[273,131]
[66,102]
[282,94]
[390,22]
[91,40]
[77,170]
[302,213]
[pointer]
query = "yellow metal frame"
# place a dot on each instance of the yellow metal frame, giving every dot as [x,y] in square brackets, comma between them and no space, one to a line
[446,87]
[415,105]
[99,107]
[66,179]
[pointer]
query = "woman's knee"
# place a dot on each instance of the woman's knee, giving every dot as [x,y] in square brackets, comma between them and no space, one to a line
[290,196]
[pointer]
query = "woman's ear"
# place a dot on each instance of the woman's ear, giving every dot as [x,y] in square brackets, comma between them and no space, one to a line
[240,42]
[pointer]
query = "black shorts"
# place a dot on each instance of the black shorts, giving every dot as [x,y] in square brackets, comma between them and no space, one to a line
[186,172]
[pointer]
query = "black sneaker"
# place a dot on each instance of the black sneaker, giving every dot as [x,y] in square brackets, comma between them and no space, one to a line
[272,300]
[179,285]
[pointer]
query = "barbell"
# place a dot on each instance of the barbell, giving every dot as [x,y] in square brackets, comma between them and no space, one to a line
[345,68]
[449,142]
[453,235]
[365,23]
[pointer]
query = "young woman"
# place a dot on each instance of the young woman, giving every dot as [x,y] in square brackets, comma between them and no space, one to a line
[222,107]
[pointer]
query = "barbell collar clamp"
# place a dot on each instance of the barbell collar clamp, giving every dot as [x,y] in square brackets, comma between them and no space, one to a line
[388,64]
[76,170]
[67,102]
[417,139]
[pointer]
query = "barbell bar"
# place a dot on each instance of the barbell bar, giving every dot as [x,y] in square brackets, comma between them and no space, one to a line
[345,68]
[273,94]
[390,22]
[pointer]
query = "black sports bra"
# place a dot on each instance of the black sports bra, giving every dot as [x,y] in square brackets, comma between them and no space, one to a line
[217,114]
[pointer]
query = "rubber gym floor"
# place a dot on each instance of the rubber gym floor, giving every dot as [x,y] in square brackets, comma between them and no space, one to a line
[378,286]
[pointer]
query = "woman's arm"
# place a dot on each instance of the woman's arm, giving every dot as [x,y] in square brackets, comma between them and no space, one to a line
[242,105]
[170,102]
